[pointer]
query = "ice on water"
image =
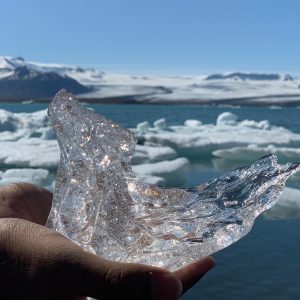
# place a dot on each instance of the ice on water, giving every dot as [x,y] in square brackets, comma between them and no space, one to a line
[101,205]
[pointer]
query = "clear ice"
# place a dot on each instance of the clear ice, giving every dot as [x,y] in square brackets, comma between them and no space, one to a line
[101,205]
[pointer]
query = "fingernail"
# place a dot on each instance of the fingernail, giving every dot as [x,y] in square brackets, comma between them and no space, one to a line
[165,286]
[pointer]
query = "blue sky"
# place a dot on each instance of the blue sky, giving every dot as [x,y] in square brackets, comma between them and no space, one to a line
[162,36]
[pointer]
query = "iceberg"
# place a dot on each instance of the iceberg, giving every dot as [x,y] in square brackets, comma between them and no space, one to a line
[101,205]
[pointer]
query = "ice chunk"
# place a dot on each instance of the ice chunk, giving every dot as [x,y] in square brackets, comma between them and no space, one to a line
[192,123]
[14,126]
[288,206]
[160,124]
[36,176]
[226,118]
[151,179]
[33,152]
[101,205]
[143,127]
[147,153]
[171,171]
[7,121]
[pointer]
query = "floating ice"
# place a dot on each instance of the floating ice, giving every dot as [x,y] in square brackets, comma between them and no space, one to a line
[195,140]
[160,124]
[227,118]
[171,171]
[14,126]
[36,176]
[101,205]
[252,152]
[192,123]
[147,153]
[288,206]
[32,152]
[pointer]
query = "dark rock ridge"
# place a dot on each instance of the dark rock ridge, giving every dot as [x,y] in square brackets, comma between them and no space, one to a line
[288,77]
[26,84]
[245,76]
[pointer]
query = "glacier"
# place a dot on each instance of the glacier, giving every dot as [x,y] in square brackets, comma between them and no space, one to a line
[230,89]
[100,204]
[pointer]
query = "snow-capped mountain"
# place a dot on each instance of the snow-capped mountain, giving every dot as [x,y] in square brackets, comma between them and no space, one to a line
[24,83]
[85,75]
[95,85]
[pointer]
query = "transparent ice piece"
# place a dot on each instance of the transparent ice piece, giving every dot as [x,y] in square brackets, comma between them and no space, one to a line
[101,205]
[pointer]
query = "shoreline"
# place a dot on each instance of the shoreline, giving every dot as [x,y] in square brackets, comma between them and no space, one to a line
[257,101]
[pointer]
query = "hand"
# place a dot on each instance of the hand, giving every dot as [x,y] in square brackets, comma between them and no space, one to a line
[39,263]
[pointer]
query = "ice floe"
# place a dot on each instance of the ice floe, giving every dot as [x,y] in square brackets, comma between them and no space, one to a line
[31,152]
[147,153]
[196,140]
[288,206]
[253,152]
[14,126]
[170,171]
[36,176]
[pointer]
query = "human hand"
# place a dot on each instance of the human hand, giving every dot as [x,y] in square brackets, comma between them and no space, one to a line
[39,263]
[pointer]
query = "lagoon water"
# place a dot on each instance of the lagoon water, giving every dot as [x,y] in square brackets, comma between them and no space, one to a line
[266,263]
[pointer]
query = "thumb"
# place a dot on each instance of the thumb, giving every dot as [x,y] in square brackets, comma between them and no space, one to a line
[102,279]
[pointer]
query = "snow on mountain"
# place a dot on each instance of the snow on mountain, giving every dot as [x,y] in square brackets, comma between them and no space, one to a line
[231,88]
[23,83]
[85,76]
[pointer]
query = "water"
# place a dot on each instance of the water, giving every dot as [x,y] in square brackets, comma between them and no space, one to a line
[129,115]
[263,265]
[266,263]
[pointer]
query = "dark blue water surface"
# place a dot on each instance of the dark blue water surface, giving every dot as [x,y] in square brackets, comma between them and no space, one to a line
[263,265]
[128,115]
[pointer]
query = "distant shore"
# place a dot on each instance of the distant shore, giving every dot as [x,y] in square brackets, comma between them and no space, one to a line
[274,100]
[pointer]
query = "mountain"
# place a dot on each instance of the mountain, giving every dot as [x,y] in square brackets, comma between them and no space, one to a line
[247,76]
[24,83]
[24,80]
[85,76]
